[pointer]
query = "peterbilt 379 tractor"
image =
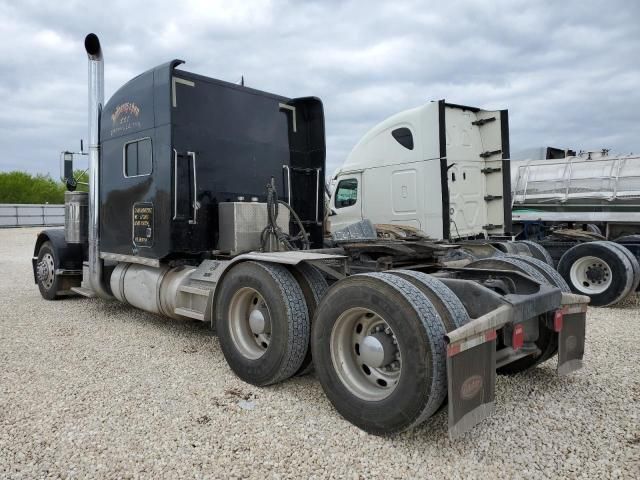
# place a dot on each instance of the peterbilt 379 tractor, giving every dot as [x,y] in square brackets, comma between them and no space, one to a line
[206,203]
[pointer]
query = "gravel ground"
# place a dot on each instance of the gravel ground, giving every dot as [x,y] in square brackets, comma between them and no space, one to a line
[90,388]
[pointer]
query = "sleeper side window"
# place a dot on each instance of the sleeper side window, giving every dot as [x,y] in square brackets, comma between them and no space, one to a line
[138,158]
[404,137]
[346,193]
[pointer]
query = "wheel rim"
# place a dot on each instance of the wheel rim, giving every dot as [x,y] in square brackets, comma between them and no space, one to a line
[46,271]
[366,354]
[250,323]
[591,275]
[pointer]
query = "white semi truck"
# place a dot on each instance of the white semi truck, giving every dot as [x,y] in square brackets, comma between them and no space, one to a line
[445,169]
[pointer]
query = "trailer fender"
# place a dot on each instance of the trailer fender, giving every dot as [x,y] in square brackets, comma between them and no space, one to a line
[68,257]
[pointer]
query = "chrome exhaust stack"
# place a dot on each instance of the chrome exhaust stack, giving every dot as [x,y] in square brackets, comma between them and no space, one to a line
[96,101]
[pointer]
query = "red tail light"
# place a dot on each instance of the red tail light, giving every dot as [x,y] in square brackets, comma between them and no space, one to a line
[557,321]
[517,339]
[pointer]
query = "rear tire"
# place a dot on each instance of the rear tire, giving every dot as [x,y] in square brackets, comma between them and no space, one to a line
[314,286]
[449,307]
[356,307]
[550,274]
[262,322]
[48,281]
[598,269]
[634,264]
[547,341]
[539,252]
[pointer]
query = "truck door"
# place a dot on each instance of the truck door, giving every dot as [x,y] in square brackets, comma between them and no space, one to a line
[475,152]
[346,201]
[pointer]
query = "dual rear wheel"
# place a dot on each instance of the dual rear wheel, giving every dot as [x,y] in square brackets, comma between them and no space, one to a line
[377,340]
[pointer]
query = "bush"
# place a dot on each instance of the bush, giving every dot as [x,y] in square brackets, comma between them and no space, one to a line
[22,187]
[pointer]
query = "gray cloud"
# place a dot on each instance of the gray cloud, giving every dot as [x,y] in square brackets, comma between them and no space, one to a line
[567,71]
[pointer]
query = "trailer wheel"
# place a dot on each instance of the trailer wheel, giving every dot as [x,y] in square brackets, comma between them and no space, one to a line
[538,251]
[379,352]
[634,264]
[449,307]
[597,269]
[46,272]
[262,322]
[314,286]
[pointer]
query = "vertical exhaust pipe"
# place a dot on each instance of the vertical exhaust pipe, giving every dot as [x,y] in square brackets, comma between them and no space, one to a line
[96,101]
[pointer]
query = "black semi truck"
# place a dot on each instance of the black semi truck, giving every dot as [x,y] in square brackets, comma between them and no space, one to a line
[206,203]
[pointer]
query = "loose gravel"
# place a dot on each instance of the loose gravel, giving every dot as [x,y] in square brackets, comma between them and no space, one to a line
[91,388]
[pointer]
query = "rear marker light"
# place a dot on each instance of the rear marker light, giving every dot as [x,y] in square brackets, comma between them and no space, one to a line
[558,321]
[517,339]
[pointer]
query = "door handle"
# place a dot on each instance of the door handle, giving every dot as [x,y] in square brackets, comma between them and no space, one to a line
[194,220]
[175,184]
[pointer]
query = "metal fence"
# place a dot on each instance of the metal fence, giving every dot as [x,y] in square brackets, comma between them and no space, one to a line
[29,215]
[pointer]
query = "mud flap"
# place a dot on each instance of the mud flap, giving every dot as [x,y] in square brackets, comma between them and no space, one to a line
[471,376]
[571,339]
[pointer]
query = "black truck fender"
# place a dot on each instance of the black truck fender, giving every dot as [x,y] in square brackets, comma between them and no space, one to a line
[68,257]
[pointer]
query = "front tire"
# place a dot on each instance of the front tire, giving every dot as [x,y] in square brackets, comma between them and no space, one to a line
[48,281]
[262,322]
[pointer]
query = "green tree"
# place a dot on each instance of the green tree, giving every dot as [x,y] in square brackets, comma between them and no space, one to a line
[21,187]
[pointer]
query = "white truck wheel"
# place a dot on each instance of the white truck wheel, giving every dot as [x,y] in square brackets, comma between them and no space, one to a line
[598,269]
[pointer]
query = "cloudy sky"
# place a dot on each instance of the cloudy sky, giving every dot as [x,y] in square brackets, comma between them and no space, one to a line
[569,72]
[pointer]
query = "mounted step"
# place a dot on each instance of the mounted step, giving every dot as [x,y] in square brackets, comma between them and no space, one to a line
[194,290]
[188,312]
[192,300]
[85,292]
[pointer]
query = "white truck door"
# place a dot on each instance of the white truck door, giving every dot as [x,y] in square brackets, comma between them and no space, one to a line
[346,201]
[474,151]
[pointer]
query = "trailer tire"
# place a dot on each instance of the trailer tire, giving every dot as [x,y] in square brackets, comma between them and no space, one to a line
[539,252]
[634,264]
[609,265]
[275,353]
[449,307]
[359,306]
[48,280]
[314,286]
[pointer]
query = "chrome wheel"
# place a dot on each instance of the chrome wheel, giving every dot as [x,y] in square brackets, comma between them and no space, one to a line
[249,323]
[46,271]
[590,275]
[366,354]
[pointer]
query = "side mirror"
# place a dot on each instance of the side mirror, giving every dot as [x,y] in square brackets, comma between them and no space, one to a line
[72,184]
[66,166]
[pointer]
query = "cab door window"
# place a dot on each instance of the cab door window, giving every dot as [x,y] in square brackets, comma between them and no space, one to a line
[346,193]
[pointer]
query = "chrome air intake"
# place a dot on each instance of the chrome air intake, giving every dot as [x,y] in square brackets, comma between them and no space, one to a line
[96,101]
